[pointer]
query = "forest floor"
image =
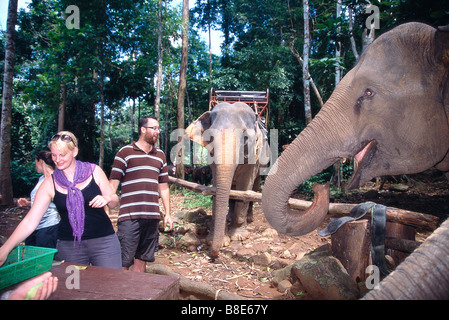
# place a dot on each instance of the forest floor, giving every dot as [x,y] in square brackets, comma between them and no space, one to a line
[245,267]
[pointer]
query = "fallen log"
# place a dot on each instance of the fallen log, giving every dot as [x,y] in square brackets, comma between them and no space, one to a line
[193,287]
[403,245]
[412,218]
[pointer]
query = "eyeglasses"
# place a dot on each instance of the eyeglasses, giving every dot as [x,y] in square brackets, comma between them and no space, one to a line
[63,137]
[154,128]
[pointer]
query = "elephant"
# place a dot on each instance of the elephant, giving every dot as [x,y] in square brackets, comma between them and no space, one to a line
[236,141]
[389,112]
[202,175]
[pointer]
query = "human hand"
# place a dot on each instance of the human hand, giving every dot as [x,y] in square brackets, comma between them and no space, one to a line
[22,202]
[168,221]
[98,202]
[3,256]
[49,285]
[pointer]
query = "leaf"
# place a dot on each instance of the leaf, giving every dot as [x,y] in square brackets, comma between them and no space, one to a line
[81,267]
[57,263]
[33,290]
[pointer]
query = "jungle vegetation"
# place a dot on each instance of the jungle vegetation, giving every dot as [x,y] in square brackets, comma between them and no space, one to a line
[104,72]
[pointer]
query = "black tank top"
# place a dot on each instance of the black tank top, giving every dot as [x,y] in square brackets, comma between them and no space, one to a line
[96,222]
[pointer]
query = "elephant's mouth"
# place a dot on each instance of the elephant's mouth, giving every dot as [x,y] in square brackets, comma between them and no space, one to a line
[362,160]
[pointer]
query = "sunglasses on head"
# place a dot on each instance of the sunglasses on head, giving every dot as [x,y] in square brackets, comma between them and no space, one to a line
[63,137]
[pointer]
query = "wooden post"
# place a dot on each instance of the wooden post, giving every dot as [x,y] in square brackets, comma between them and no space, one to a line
[351,245]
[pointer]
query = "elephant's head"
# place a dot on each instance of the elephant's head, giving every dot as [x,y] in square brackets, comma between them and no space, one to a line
[230,133]
[389,113]
[232,136]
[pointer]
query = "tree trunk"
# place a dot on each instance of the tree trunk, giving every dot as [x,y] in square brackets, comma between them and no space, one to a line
[133,113]
[102,41]
[338,166]
[353,45]
[338,48]
[210,51]
[305,66]
[157,102]
[312,83]
[183,78]
[101,160]
[368,35]
[6,193]
[63,103]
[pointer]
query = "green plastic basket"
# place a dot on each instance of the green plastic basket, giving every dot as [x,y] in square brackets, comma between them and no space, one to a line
[25,262]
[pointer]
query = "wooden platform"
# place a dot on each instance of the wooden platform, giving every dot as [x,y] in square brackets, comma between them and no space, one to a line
[258,100]
[96,283]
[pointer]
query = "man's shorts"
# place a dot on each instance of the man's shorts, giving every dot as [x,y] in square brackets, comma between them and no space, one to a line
[138,239]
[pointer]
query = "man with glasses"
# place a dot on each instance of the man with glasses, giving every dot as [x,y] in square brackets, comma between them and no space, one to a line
[141,169]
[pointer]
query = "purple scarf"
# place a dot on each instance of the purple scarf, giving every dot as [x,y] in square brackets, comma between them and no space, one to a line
[75,199]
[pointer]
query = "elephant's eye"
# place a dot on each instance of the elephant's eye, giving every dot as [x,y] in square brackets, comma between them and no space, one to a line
[369,93]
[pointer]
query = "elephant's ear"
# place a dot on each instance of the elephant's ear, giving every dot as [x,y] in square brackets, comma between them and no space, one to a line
[442,44]
[263,151]
[196,129]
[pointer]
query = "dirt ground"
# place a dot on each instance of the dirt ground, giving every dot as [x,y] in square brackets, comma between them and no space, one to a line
[245,267]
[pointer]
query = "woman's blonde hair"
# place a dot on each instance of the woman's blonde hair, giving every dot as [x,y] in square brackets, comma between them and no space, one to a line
[64,141]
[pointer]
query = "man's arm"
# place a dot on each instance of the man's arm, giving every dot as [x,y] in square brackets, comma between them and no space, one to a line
[164,191]
[114,184]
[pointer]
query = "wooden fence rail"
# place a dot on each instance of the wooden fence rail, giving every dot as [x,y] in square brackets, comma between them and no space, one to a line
[415,219]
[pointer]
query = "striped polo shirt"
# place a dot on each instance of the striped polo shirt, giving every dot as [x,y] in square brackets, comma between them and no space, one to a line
[139,174]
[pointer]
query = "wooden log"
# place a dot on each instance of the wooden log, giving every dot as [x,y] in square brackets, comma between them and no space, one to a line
[411,218]
[194,287]
[403,245]
[398,231]
[351,245]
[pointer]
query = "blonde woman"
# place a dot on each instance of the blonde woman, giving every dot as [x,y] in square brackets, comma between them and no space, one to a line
[80,191]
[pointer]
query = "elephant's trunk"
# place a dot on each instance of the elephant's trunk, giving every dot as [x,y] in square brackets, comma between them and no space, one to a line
[311,152]
[422,275]
[223,176]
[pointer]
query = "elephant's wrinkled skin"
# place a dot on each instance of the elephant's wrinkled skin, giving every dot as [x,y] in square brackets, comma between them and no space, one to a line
[390,113]
[232,135]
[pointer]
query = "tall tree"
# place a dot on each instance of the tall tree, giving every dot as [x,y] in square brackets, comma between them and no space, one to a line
[208,16]
[305,66]
[338,46]
[338,165]
[160,51]
[5,135]
[183,77]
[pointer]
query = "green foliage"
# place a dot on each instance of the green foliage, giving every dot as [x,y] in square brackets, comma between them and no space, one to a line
[196,200]
[324,177]
[24,177]
[117,43]
[321,178]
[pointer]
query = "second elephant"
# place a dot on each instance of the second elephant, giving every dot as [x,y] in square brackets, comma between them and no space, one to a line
[235,141]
